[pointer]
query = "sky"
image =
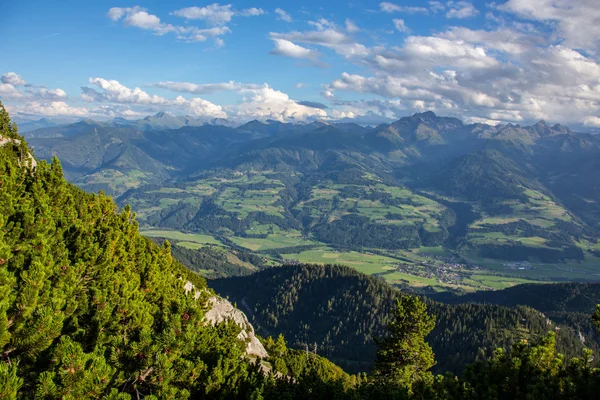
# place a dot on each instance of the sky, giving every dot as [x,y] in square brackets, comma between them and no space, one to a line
[508,61]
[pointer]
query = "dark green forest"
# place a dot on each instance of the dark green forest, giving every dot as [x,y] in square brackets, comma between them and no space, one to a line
[343,312]
[91,309]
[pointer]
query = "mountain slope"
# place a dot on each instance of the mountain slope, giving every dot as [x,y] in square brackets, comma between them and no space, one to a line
[570,304]
[343,311]
[396,190]
[90,308]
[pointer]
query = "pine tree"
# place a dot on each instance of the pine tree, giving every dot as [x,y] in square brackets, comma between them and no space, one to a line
[403,357]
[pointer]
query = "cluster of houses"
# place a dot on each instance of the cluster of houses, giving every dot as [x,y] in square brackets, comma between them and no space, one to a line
[518,265]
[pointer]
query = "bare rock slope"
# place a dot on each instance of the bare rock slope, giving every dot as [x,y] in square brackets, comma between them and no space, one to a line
[223,310]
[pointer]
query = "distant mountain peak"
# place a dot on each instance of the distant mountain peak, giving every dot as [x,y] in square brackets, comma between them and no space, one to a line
[163,114]
[272,122]
[87,121]
[426,114]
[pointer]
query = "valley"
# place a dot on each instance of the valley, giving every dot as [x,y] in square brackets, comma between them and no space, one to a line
[427,203]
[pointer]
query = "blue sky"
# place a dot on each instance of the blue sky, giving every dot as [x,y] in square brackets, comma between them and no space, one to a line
[509,61]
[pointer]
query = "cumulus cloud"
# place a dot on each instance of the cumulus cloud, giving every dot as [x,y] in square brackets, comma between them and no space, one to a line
[258,101]
[193,34]
[11,78]
[140,18]
[436,6]
[51,94]
[503,39]
[503,74]
[268,103]
[216,14]
[399,24]
[50,109]
[282,15]
[461,9]
[113,91]
[435,51]
[14,87]
[327,34]
[577,23]
[252,12]
[9,91]
[592,121]
[351,27]
[393,8]
[288,49]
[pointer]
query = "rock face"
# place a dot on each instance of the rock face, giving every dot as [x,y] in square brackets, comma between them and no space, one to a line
[223,310]
[28,159]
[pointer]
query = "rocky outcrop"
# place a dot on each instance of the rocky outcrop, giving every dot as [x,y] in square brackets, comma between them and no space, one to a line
[223,310]
[27,159]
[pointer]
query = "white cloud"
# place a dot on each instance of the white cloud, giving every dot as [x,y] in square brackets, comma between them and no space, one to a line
[207,88]
[252,12]
[215,13]
[351,27]
[114,92]
[50,109]
[143,20]
[140,18]
[288,49]
[461,9]
[13,79]
[193,34]
[436,6]
[116,13]
[258,101]
[13,86]
[385,86]
[592,121]
[443,52]
[399,24]
[201,108]
[51,94]
[393,8]
[282,15]
[219,43]
[480,120]
[268,103]
[577,22]
[327,35]
[9,91]
[504,39]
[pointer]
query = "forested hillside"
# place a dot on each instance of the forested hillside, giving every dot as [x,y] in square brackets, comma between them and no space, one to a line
[91,309]
[343,312]
[569,304]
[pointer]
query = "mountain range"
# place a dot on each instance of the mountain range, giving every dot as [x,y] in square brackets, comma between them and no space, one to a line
[424,187]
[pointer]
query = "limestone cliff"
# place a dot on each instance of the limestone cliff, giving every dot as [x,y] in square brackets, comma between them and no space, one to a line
[223,310]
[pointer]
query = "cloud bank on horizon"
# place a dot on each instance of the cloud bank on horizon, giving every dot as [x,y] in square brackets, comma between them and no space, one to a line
[512,61]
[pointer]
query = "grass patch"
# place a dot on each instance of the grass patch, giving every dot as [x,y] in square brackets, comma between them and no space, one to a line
[180,236]
[366,263]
